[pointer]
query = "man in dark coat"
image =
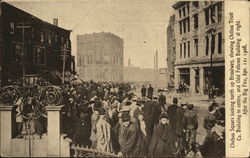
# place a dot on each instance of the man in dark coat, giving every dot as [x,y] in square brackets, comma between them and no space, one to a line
[150,91]
[179,114]
[81,128]
[190,124]
[143,91]
[156,111]
[149,116]
[162,99]
[161,144]
[132,140]
[171,113]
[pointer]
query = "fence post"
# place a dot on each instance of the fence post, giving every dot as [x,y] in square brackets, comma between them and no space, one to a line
[53,130]
[6,132]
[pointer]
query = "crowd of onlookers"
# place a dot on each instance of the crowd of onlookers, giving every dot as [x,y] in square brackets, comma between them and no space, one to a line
[109,117]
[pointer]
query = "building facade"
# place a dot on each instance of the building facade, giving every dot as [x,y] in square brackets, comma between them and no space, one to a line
[171,51]
[31,47]
[100,57]
[199,33]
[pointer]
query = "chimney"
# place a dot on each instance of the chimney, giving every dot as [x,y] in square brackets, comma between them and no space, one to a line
[156,60]
[55,21]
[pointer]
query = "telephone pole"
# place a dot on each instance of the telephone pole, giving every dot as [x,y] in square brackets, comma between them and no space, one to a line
[23,27]
[64,57]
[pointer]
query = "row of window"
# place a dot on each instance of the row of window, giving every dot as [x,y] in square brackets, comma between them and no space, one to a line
[89,59]
[215,40]
[17,54]
[50,38]
[213,14]
[184,11]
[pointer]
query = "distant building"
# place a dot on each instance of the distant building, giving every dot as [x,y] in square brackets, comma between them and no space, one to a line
[199,35]
[171,52]
[37,52]
[100,57]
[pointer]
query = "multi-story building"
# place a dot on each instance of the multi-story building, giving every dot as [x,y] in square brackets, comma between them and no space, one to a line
[199,35]
[31,47]
[100,57]
[171,51]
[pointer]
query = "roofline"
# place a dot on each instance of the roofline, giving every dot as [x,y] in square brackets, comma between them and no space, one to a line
[36,18]
[178,4]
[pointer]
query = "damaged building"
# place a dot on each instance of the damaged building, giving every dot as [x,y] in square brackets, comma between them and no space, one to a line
[199,56]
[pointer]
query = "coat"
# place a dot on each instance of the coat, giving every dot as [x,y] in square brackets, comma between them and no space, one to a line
[94,119]
[171,113]
[190,120]
[161,144]
[103,134]
[132,142]
[179,114]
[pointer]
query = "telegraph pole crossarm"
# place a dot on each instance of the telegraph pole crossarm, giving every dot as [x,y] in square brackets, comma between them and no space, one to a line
[23,27]
[64,57]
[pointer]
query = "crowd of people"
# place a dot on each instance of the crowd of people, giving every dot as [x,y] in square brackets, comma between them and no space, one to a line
[109,117]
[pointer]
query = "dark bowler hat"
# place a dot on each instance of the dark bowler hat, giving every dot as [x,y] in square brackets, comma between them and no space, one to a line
[102,111]
[125,117]
[164,115]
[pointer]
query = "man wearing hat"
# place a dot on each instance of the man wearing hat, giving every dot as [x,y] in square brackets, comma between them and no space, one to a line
[139,109]
[156,111]
[180,111]
[171,113]
[161,145]
[190,124]
[132,145]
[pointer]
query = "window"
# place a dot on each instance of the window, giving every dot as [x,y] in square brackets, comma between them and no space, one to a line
[39,55]
[212,14]
[184,11]
[188,49]
[213,43]
[196,4]
[42,37]
[180,50]
[219,10]
[180,13]
[188,23]
[219,43]
[49,38]
[56,39]
[207,45]
[180,25]
[12,28]
[184,49]
[184,26]
[188,9]
[207,16]
[196,21]
[16,52]
[196,46]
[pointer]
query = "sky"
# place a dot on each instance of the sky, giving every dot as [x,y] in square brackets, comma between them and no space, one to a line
[142,24]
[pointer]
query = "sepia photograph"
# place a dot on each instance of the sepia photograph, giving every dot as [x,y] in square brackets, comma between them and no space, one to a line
[112,78]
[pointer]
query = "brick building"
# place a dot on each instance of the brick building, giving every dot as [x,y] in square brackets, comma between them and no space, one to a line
[100,57]
[31,47]
[199,35]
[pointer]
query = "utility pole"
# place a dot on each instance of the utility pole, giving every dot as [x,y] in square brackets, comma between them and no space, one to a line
[64,57]
[23,27]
